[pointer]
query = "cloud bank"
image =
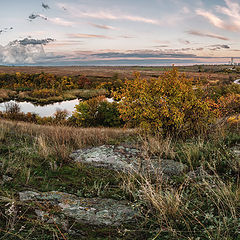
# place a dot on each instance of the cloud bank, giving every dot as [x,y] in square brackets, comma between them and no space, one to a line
[23,51]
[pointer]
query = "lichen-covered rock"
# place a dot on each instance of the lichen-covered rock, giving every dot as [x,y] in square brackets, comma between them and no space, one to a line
[236,151]
[94,211]
[111,157]
[168,167]
[125,159]
[199,174]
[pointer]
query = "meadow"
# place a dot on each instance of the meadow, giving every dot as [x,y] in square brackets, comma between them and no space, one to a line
[189,116]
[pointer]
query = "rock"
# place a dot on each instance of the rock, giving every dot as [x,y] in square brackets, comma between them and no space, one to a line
[94,211]
[6,178]
[199,173]
[120,158]
[26,196]
[47,218]
[165,167]
[237,152]
[115,158]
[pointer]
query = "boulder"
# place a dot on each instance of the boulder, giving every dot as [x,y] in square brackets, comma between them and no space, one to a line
[111,157]
[93,211]
[126,160]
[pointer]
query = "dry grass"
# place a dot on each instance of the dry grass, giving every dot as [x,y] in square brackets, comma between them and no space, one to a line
[188,208]
[123,72]
[61,140]
[156,145]
[6,94]
[205,209]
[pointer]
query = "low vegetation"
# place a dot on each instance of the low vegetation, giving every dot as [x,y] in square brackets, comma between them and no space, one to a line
[171,117]
[45,88]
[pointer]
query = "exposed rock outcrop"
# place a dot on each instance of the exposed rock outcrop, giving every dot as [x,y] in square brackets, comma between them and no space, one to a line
[125,159]
[93,211]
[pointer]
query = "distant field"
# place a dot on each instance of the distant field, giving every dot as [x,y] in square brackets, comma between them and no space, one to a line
[212,73]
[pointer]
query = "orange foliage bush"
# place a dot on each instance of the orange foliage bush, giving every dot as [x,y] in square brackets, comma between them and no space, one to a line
[229,104]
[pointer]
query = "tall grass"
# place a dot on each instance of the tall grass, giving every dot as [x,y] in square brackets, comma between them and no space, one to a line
[205,206]
[62,140]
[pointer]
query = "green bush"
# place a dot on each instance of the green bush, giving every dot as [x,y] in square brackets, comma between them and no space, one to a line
[97,112]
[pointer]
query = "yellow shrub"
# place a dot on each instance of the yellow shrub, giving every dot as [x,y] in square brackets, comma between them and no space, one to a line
[166,105]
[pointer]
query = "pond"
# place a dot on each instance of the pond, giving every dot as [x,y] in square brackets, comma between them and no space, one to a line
[237,81]
[46,110]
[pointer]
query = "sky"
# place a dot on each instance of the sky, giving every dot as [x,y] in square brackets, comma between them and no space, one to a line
[119,32]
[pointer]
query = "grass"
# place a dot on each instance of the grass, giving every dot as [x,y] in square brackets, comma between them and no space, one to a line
[36,157]
[84,93]
[205,207]
[66,95]
[6,94]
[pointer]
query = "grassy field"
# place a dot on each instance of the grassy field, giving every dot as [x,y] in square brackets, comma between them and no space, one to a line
[37,158]
[213,72]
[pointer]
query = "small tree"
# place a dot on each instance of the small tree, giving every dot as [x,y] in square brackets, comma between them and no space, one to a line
[167,105]
[97,112]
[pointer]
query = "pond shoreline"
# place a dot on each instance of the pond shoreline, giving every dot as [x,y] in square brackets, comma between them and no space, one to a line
[12,95]
[46,110]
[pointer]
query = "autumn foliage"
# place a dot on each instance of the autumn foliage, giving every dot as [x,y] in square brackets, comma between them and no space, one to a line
[97,112]
[24,81]
[168,104]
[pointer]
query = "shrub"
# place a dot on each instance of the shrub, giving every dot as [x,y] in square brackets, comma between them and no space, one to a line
[215,92]
[168,105]
[97,112]
[230,104]
[12,108]
[44,93]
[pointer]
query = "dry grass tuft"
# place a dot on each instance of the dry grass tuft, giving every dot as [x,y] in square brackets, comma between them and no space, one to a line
[158,146]
[61,140]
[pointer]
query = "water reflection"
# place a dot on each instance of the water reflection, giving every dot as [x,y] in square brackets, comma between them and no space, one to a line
[46,110]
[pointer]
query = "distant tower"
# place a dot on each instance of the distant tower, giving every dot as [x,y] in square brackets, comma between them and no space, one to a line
[232,61]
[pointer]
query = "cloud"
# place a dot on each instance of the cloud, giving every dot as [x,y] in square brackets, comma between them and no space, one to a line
[82,35]
[57,21]
[161,46]
[143,54]
[184,41]
[221,46]
[45,6]
[34,16]
[232,11]
[216,21]
[185,10]
[60,21]
[218,47]
[110,16]
[31,41]
[102,26]
[23,51]
[105,14]
[126,36]
[210,35]
[5,30]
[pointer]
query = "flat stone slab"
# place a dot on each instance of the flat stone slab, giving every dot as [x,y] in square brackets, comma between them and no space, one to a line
[120,158]
[111,157]
[94,211]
